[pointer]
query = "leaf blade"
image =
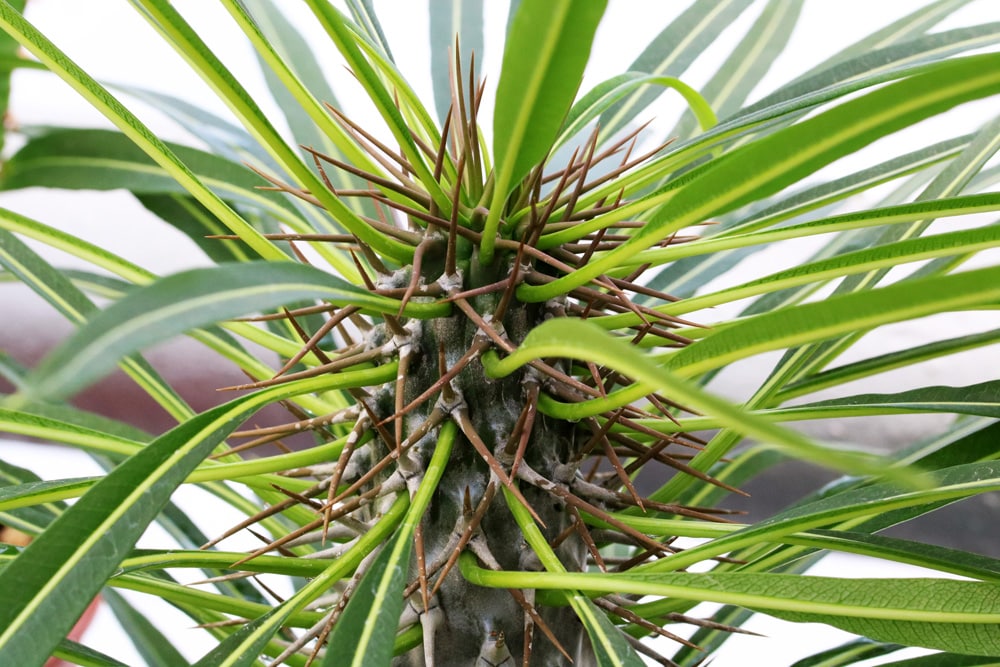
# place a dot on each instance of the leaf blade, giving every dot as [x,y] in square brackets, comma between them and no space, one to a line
[186,301]
[543,63]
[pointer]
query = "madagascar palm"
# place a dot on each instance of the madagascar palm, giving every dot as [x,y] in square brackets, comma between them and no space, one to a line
[490,326]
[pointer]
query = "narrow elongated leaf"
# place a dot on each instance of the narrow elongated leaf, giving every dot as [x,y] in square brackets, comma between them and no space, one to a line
[14,24]
[213,338]
[880,257]
[888,215]
[543,63]
[28,494]
[450,19]
[949,484]
[911,26]
[10,369]
[950,181]
[790,155]
[849,653]
[176,31]
[810,199]
[933,557]
[222,137]
[242,648]
[607,642]
[150,643]
[672,51]
[187,301]
[915,612]
[295,50]
[49,584]
[196,598]
[108,160]
[29,520]
[70,302]
[579,339]
[869,62]
[845,313]
[78,654]
[982,399]
[365,632]
[380,94]
[187,215]
[606,93]
[363,12]
[950,615]
[297,84]
[946,660]
[8,59]
[737,77]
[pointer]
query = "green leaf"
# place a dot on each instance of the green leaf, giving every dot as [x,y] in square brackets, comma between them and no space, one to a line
[916,612]
[381,94]
[55,577]
[790,155]
[743,70]
[214,339]
[55,288]
[14,24]
[78,654]
[607,642]
[947,660]
[186,301]
[879,257]
[848,653]
[898,57]
[166,20]
[949,484]
[295,50]
[27,494]
[580,339]
[908,27]
[8,54]
[950,615]
[154,648]
[450,19]
[364,15]
[809,199]
[196,222]
[242,647]
[222,137]
[29,520]
[543,63]
[108,160]
[672,51]
[838,315]
[931,556]
[888,215]
[608,92]
[365,632]
[299,86]
[982,399]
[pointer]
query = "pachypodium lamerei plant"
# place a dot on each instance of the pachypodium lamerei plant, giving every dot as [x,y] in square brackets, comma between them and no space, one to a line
[490,327]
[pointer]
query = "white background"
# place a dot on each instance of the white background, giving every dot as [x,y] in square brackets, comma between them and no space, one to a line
[109,40]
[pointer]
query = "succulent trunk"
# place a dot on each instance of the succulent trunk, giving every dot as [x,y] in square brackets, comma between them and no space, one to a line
[468,624]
